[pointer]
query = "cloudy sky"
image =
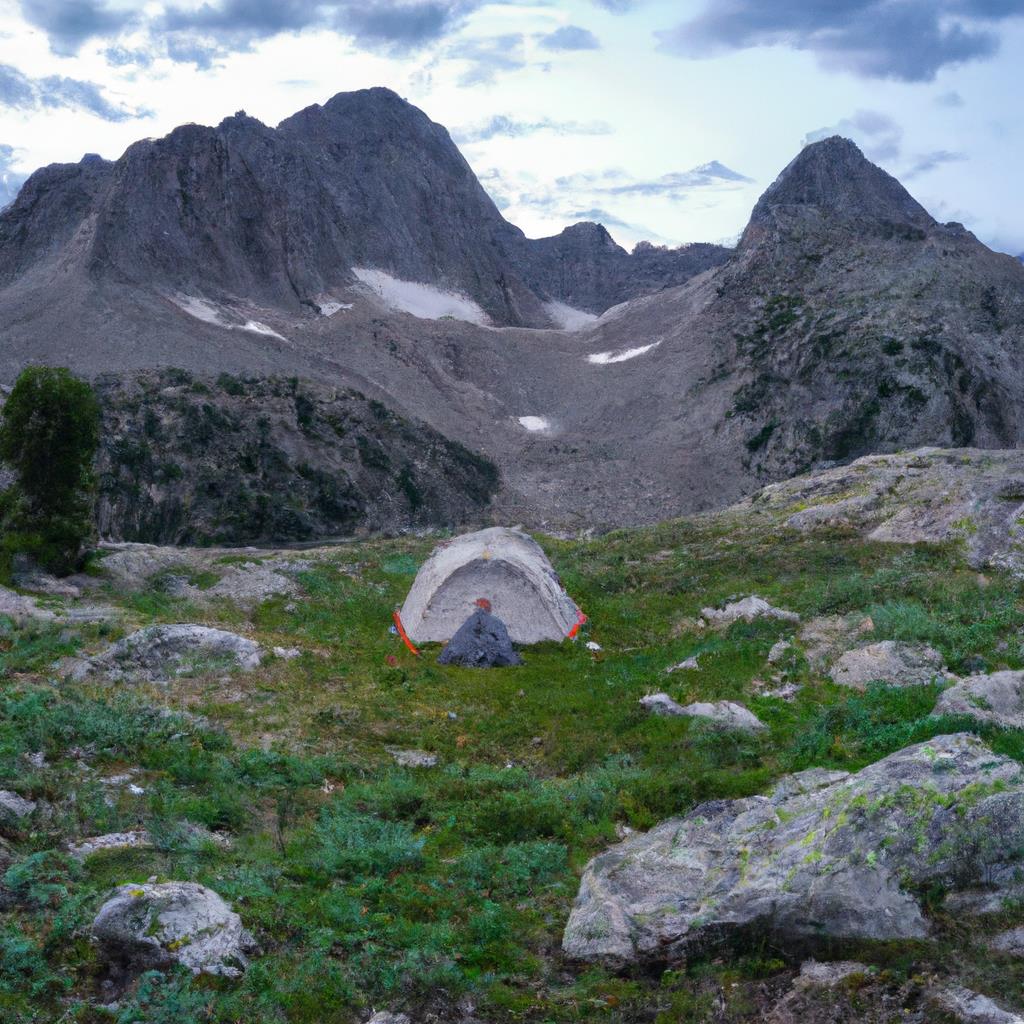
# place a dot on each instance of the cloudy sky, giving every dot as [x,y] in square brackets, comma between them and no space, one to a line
[664,119]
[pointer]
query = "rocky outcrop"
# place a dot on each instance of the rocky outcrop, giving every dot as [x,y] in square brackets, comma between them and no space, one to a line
[228,460]
[155,926]
[967,497]
[889,661]
[161,653]
[821,858]
[995,699]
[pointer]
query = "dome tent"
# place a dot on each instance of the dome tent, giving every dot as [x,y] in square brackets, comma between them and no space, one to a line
[505,568]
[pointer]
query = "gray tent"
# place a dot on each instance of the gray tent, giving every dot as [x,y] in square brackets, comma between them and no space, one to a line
[505,568]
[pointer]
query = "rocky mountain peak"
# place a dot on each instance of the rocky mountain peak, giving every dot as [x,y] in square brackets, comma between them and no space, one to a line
[834,179]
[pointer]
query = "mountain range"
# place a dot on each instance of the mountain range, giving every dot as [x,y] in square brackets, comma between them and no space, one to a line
[353,248]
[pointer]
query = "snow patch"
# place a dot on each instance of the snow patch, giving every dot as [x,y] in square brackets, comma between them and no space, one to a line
[604,358]
[257,328]
[568,318]
[534,423]
[210,314]
[201,310]
[421,300]
[330,307]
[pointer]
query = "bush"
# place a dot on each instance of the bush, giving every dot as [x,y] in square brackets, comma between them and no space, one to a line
[48,436]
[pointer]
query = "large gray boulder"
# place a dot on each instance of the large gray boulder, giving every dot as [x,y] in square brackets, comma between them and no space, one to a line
[889,661]
[155,926]
[822,857]
[997,699]
[159,653]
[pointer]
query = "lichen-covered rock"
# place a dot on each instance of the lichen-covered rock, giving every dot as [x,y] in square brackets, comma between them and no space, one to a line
[723,713]
[159,653]
[971,1008]
[747,609]
[14,808]
[482,641]
[154,926]
[997,699]
[818,859]
[889,661]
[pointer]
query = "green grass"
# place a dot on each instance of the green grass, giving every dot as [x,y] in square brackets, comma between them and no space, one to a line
[368,885]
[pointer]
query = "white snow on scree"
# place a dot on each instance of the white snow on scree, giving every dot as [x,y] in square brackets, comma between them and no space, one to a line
[604,358]
[534,423]
[568,318]
[421,300]
[210,314]
[329,307]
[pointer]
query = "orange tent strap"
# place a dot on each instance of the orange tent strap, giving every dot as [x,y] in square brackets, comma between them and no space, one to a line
[575,629]
[401,632]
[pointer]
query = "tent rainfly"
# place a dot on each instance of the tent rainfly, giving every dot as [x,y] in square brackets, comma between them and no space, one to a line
[504,567]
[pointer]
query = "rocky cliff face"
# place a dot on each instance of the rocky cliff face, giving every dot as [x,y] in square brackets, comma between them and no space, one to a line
[281,217]
[585,268]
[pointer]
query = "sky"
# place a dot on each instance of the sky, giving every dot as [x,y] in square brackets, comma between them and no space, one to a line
[662,119]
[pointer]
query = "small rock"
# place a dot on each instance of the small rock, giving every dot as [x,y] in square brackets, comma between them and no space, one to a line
[37,759]
[748,609]
[723,713]
[689,664]
[592,646]
[786,692]
[114,841]
[482,641]
[286,653]
[778,651]
[154,926]
[385,1017]
[14,806]
[814,974]
[889,661]
[413,758]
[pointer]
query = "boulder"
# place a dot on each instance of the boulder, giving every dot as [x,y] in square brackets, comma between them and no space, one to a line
[723,713]
[159,653]
[818,859]
[155,926]
[971,1008]
[889,661]
[997,699]
[13,807]
[482,641]
[748,609]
